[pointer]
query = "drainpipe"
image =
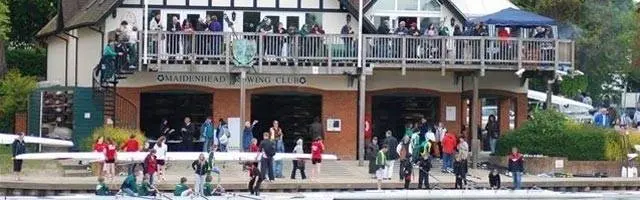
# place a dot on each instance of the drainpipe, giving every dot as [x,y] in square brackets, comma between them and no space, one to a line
[76,57]
[66,60]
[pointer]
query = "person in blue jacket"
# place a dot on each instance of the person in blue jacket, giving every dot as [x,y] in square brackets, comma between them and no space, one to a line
[247,134]
[602,119]
[18,147]
[208,133]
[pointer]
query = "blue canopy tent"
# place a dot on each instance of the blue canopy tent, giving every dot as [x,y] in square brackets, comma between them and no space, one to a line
[515,18]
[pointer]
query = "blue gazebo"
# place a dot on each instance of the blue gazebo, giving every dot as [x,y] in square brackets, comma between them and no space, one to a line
[514,17]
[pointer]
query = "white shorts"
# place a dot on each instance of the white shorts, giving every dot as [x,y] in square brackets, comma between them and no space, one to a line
[380,174]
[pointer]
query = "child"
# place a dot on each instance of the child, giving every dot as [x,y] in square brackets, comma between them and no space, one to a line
[381,160]
[102,189]
[317,148]
[182,190]
[408,169]
[298,163]
[145,188]
[129,186]
[254,145]
[254,173]
[425,167]
[110,155]
[494,179]
[460,170]
[208,188]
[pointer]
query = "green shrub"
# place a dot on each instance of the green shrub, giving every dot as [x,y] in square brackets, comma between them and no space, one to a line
[31,61]
[119,135]
[550,133]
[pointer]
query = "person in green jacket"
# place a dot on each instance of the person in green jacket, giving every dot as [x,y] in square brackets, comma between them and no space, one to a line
[381,160]
[182,190]
[208,187]
[102,189]
[408,129]
[108,61]
[145,188]
[129,186]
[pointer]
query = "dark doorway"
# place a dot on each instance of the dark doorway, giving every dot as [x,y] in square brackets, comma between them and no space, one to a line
[250,21]
[293,21]
[294,111]
[193,19]
[170,19]
[173,106]
[393,112]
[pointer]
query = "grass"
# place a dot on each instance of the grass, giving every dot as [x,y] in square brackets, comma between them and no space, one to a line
[30,167]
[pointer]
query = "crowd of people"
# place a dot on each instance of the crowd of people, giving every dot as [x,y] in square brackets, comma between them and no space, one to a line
[422,144]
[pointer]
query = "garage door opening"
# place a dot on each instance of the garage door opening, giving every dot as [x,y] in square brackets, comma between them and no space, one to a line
[295,113]
[173,106]
[393,112]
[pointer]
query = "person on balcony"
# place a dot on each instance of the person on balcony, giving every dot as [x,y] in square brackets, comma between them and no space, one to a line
[187,41]
[412,43]
[281,40]
[173,43]
[397,43]
[216,27]
[154,25]
[431,48]
[347,40]
[316,42]
[382,44]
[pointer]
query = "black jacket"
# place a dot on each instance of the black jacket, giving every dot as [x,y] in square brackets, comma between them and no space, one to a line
[425,165]
[494,180]
[391,143]
[372,150]
[18,148]
[516,164]
[200,169]
[187,136]
[268,147]
[493,129]
[460,168]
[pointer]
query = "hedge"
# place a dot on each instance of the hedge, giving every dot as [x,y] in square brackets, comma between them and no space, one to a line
[119,135]
[551,134]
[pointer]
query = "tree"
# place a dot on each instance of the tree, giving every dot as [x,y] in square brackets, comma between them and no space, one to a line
[28,17]
[5,28]
[14,92]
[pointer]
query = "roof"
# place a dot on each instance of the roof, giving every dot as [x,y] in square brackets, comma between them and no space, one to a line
[78,13]
[515,17]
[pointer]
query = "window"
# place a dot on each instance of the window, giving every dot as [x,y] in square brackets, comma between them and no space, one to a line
[313,18]
[429,5]
[57,114]
[384,5]
[377,20]
[408,4]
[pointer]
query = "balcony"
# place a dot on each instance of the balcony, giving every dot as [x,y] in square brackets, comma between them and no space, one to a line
[337,54]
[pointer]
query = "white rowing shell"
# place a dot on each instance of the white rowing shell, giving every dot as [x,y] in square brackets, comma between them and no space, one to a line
[9,138]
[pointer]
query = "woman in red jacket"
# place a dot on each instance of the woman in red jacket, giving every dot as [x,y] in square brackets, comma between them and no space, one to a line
[151,165]
[448,150]
[317,148]
[100,147]
[110,159]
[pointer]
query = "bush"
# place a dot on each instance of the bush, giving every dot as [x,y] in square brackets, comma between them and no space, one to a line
[551,134]
[119,135]
[31,61]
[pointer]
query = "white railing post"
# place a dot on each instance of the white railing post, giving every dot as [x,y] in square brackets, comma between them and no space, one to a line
[403,55]
[226,42]
[330,53]
[556,59]
[483,52]
[260,51]
[519,52]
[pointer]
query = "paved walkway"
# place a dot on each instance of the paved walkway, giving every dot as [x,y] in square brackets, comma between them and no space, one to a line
[336,175]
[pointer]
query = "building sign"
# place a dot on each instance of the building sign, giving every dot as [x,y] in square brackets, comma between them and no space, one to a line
[251,79]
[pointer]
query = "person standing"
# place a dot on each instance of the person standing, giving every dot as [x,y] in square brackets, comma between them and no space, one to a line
[151,165]
[110,160]
[208,133]
[316,128]
[347,31]
[161,154]
[460,170]
[201,168]
[463,148]
[17,148]
[100,147]
[131,145]
[404,152]
[298,163]
[372,150]
[276,136]
[165,129]
[516,167]
[391,143]
[425,166]
[440,132]
[381,163]
[187,131]
[602,119]
[317,148]
[267,149]
[493,130]
[223,136]
[247,134]
[448,150]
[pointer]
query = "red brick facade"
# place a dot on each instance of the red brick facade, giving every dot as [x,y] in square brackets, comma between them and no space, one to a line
[335,104]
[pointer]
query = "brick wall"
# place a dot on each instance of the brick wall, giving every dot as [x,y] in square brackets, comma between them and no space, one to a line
[335,104]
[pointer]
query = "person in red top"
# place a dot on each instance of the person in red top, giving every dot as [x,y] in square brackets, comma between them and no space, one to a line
[131,145]
[110,159]
[100,147]
[253,147]
[317,148]
[448,150]
[151,165]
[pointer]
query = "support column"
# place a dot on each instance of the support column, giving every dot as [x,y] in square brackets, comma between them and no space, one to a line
[475,108]
[361,108]
[549,82]
[521,109]
[504,105]
[243,93]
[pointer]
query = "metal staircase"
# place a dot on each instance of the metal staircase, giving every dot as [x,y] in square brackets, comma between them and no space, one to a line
[105,94]
[352,6]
